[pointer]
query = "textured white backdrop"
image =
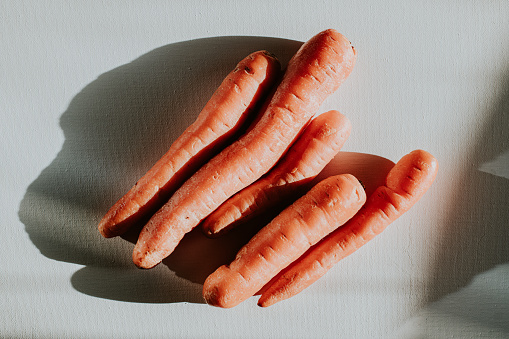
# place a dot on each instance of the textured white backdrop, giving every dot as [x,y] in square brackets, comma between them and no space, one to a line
[92,92]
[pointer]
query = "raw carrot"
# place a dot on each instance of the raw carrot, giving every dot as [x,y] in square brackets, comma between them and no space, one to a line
[223,115]
[326,206]
[316,146]
[315,71]
[408,180]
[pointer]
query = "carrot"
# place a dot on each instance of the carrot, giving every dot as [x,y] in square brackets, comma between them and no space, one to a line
[315,148]
[326,206]
[313,73]
[223,115]
[405,184]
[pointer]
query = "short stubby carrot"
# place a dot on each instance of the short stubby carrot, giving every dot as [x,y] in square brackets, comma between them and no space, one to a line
[405,184]
[314,72]
[234,102]
[316,146]
[327,205]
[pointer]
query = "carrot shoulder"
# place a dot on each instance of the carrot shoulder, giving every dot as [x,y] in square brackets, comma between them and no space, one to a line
[315,71]
[223,115]
[408,180]
[326,206]
[316,146]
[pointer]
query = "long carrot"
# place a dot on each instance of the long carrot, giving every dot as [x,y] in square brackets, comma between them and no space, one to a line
[315,148]
[223,115]
[315,71]
[409,179]
[326,206]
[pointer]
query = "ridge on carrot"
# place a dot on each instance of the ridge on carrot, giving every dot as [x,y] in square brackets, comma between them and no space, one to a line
[406,183]
[223,116]
[326,206]
[315,72]
[316,146]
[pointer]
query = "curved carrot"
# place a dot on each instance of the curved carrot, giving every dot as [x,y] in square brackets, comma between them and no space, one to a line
[326,206]
[315,71]
[222,116]
[315,148]
[408,180]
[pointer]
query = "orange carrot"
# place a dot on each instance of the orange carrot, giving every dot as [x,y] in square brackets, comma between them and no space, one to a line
[315,71]
[222,116]
[315,148]
[409,179]
[326,206]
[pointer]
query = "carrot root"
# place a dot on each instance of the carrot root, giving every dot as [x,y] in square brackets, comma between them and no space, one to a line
[222,117]
[327,205]
[315,72]
[405,184]
[319,143]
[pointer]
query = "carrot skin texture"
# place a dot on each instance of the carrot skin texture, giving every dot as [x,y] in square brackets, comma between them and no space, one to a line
[223,115]
[316,146]
[405,184]
[315,72]
[326,206]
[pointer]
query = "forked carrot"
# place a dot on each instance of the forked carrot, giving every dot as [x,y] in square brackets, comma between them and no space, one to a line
[316,146]
[223,115]
[315,71]
[326,206]
[409,179]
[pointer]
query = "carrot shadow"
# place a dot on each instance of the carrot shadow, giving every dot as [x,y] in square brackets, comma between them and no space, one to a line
[115,128]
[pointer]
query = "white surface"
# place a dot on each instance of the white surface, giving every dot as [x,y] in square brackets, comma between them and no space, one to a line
[92,92]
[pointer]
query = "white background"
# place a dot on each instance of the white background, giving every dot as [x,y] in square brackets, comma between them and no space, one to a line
[92,92]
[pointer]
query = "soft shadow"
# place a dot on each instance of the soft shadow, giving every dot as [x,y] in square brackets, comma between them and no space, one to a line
[370,169]
[476,235]
[115,129]
[469,282]
[479,310]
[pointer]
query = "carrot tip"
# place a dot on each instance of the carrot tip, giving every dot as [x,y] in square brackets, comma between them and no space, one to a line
[103,231]
[107,231]
[264,303]
[149,260]
[209,233]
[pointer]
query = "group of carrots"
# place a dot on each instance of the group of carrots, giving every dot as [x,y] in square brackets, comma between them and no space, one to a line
[258,143]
